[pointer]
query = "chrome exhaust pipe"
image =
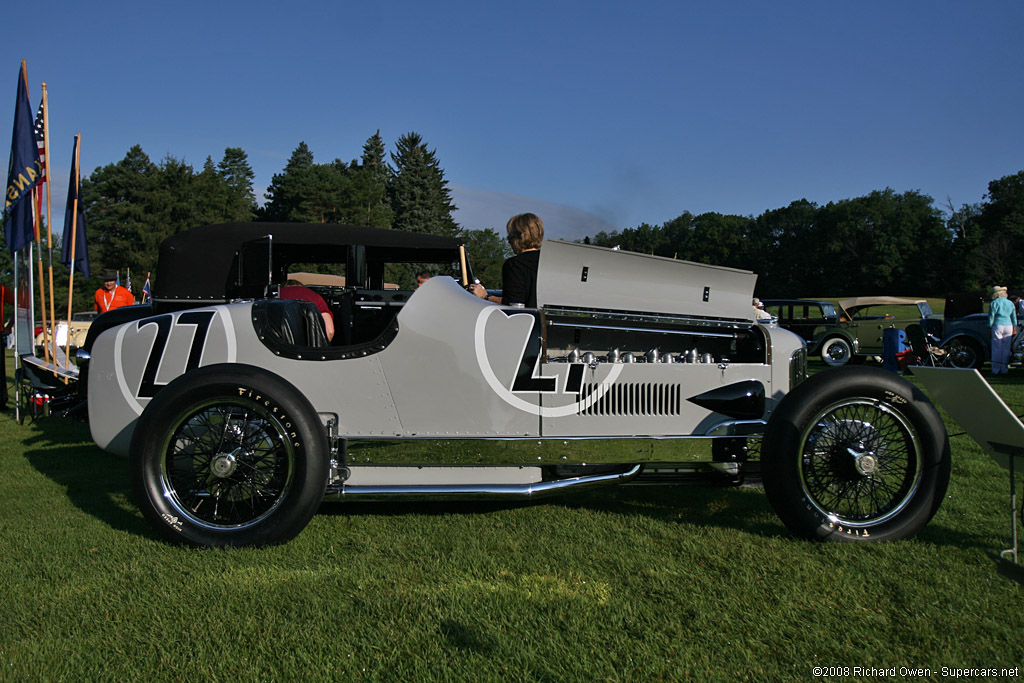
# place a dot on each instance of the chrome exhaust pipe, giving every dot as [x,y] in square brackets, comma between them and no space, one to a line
[538,489]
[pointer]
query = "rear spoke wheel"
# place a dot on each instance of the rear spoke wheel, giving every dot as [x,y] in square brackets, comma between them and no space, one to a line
[227,465]
[229,455]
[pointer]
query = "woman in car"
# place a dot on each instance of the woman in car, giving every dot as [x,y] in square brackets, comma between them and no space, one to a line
[519,273]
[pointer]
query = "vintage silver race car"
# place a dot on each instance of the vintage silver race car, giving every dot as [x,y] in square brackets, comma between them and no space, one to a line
[239,417]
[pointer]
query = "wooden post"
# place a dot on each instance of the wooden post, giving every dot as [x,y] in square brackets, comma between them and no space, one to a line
[49,210]
[462,262]
[39,257]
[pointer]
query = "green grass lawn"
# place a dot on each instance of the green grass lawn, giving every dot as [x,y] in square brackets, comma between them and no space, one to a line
[634,583]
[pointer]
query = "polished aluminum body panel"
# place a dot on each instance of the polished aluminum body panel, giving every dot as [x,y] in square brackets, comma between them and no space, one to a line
[467,382]
[585,276]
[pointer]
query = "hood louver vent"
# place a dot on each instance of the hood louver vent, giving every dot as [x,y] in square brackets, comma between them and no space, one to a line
[642,399]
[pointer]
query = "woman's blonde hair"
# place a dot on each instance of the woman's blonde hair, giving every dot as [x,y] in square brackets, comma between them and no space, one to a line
[525,231]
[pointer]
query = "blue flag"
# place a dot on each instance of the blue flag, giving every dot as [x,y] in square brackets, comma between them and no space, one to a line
[23,173]
[81,251]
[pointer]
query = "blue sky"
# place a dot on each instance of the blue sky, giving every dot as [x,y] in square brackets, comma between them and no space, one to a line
[595,115]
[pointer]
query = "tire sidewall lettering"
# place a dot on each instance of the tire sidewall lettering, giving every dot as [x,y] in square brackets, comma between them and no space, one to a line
[276,410]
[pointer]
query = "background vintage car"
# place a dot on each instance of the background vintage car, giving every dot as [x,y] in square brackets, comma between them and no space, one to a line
[817,323]
[73,335]
[238,417]
[966,335]
[867,318]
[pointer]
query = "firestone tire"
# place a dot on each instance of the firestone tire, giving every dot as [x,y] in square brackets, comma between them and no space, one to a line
[836,351]
[229,455]
[855,454]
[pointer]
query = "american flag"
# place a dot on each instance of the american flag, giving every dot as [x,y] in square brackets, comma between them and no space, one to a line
[147,296]
[40,134]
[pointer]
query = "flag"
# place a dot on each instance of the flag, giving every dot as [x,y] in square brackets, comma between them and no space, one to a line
[22,173]
[128,280]
[147,294]
[81,251]
[118,282]
[39,132]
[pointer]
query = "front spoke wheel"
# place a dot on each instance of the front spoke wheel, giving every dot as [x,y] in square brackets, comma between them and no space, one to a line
[861,462]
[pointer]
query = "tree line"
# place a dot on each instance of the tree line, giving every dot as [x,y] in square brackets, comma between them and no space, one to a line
[132,205]
[881,243]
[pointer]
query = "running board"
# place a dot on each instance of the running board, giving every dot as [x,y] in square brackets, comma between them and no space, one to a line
[538,489]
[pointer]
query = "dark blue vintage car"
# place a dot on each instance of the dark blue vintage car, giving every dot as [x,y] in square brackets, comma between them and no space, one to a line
[966,338]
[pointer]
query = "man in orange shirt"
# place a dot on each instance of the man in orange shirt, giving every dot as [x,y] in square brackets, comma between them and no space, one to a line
[111,295]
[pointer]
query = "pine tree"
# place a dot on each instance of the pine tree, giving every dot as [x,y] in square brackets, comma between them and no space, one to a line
[285,187]
[119,202]
[306,192]
[420,196]
[234,168]
[212,196]
[368,200]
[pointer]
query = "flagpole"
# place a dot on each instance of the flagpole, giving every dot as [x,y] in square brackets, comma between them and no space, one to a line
[47,331]
[74,241]
[49,211]
[42,286]
[22,177]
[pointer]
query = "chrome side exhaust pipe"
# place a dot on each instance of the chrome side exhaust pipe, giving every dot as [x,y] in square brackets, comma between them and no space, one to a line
[538,489]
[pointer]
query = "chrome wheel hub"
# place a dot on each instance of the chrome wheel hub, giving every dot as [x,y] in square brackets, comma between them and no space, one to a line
[224,465]
[865,462]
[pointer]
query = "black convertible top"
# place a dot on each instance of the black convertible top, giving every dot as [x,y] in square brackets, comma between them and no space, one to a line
[216,263]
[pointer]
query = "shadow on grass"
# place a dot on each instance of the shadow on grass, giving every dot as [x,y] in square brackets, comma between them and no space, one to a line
[96,481]
[1007,569]
[466,638]
[698,503]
